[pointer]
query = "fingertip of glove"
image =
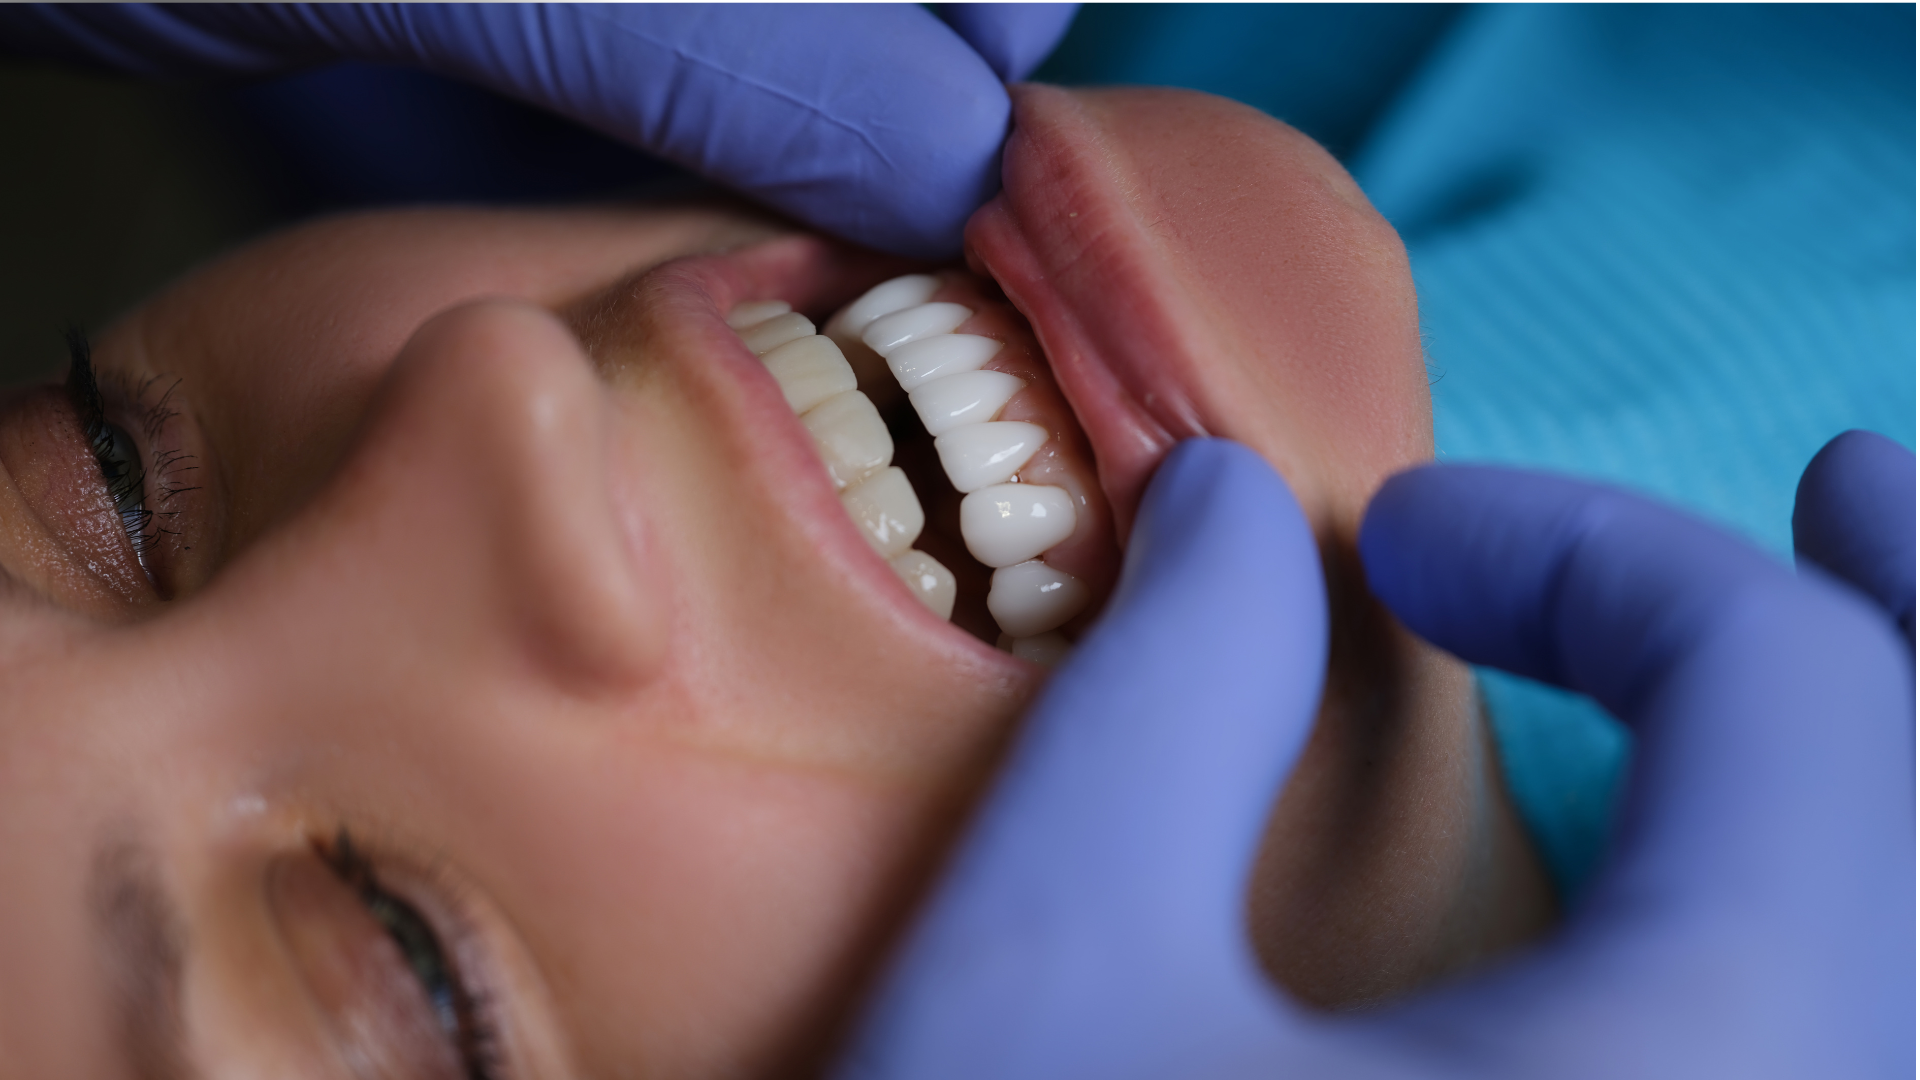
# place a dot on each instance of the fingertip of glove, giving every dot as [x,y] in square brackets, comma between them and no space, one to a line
[1220,541]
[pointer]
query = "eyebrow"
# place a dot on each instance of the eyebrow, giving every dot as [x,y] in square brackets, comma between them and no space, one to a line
[144,945]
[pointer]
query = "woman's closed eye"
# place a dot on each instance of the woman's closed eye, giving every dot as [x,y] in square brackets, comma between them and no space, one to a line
[121,468]
[96,482]
[397,998]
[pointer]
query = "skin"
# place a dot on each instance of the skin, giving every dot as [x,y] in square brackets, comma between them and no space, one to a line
[504,556]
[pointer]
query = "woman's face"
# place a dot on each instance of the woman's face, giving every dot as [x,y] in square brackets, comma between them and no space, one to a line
[483,677]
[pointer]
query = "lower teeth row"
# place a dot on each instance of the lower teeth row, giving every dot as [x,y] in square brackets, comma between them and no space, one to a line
[1006,524]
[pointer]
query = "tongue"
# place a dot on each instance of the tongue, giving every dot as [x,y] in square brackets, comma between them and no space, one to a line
[1191,266]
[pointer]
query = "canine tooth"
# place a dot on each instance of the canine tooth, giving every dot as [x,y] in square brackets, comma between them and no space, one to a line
[977,455]
[1047,650]
[883,299]
[889,332]
[809,370]
[851,437]
[918,363]
[928,580]
[767,335]
[887,511]
[968,397]
[1009,523]
[1032,598]
[756,311]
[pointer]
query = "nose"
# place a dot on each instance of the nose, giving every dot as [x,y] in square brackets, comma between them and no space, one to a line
[479,517]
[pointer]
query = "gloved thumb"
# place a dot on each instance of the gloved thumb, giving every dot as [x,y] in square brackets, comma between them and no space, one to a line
[1853,518]
[1102,887]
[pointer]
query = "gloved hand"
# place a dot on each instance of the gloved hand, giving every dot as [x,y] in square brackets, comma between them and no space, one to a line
[1853,518]
[876,122]
[1755,919]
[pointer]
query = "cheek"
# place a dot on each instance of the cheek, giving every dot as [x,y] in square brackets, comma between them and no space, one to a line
[695,909]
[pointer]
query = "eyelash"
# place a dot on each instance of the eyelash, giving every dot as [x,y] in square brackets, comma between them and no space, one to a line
[121,468]
[465,1016]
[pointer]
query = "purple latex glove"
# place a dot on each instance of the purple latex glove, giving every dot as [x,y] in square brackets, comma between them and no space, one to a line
[879,123]
[1853,518]
[1756,918]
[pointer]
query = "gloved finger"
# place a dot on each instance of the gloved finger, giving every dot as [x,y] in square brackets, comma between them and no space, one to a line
[874,121]
[1102,885]
[1761,882]
[1012,38]
[1853,518]
[1767,707]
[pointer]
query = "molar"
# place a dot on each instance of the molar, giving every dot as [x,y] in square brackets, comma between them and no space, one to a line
[851,437]
[756,311]
[931,582]
[769,334]
[887,511]
[809,370]
[1032,598]
[1010,523]
[889,332]
[976,455]
[970,397]
[923,360]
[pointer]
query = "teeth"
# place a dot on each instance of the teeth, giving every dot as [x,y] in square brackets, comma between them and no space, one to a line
[851,437]
[769,334]
[887,511]
[756,311]
[928,580]
[1009,523]
[883,299]
[819,385]
[978,455]
[1032,598]
[918,363]
[809,370]
[1047,650]
[970,397]
[889,332]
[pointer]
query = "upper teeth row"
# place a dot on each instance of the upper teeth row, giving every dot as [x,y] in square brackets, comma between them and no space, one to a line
[852,439]
[1006,524]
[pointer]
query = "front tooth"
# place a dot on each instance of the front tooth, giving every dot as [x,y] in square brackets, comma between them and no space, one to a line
[769,334]
[928,580]
[918,363]
[851,437]
[883,299]
[1047,650]
[756,311]
[889,332]
[887,511]
[1032,598]
[1009,523]
[970,397]
[981,454]
[809,370]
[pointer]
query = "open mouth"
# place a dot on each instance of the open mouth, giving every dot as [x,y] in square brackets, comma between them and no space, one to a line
[938,420]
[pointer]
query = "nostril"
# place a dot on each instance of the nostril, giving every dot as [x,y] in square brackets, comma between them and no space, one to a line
[495,451]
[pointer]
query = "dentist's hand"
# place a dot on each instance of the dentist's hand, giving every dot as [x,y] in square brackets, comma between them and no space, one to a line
[1853,518]
[877,122]
[1756,916]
